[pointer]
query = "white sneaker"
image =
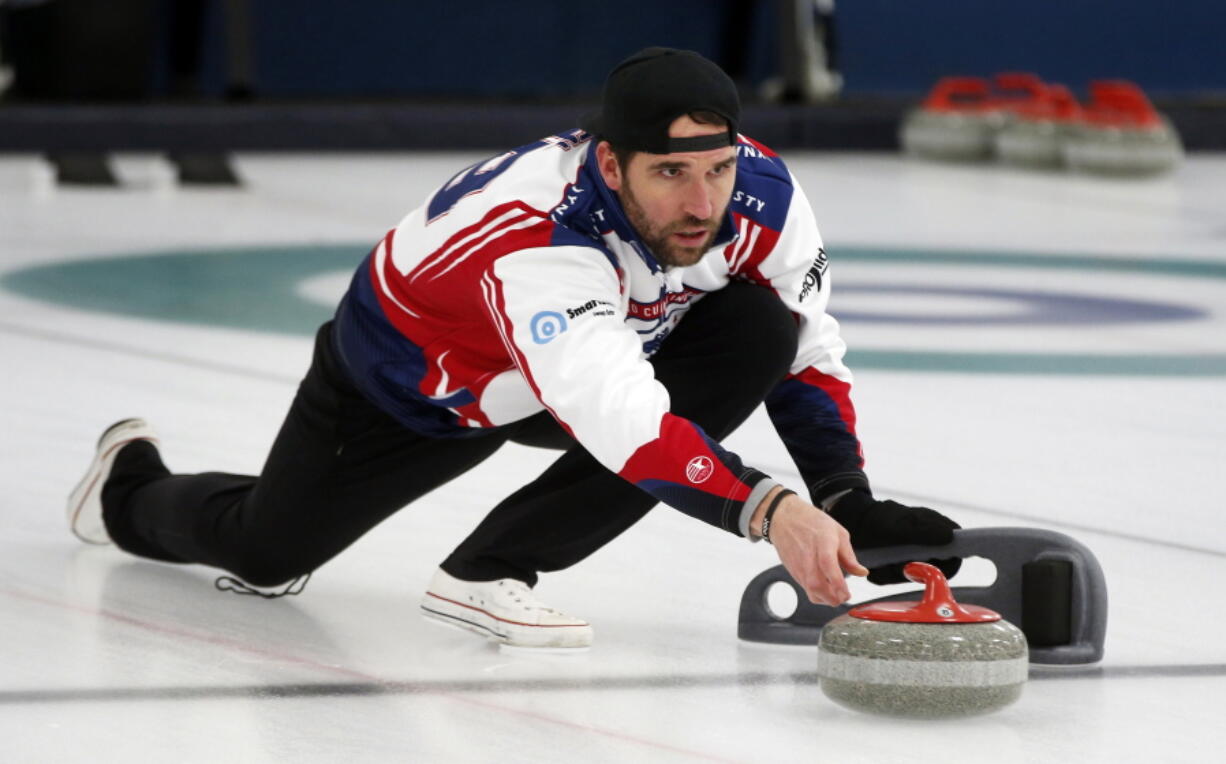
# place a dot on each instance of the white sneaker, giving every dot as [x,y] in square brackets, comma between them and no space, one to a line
[505,610]
[85,501]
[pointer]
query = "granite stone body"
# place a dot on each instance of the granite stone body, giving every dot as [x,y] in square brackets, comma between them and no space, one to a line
[1032,143]
[950,136]
[924,670]
[1124,150]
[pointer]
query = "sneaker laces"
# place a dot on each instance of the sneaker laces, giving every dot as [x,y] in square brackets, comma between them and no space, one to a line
[522,593]
[231,584]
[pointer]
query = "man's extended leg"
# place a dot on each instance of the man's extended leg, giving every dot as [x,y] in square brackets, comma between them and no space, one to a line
[338,467]
[719,364]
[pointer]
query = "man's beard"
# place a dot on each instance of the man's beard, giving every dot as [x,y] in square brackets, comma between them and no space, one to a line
[668,252]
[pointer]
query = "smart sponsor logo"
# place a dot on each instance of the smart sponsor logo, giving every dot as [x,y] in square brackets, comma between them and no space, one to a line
[546,326]
[595,307]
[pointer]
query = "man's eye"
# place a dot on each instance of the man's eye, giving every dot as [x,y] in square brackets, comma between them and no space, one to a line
[671,172]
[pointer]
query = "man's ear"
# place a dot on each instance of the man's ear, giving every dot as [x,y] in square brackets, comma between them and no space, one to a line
[610,170]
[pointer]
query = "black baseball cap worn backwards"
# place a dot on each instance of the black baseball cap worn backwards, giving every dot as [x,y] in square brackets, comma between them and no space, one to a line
[650,89]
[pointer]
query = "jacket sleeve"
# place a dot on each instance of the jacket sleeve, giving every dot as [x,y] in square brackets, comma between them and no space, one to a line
[811,408]
[559,313]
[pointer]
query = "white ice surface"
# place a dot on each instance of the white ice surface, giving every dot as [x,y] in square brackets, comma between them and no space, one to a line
[109,658]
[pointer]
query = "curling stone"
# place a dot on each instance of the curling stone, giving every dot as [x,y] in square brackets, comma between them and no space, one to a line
[1014,91]
[1122,134]
[956,122]
[1047,583]
[934,658]
[1035,134]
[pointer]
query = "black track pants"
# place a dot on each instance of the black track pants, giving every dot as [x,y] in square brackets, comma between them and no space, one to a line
[340,466]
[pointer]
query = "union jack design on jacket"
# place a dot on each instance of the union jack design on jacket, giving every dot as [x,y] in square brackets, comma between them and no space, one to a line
[520,286]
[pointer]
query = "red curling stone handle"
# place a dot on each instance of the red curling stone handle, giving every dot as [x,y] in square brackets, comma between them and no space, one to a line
[937,606]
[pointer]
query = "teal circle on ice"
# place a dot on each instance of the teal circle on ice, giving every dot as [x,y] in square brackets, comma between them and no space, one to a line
[291,289]
[254,288]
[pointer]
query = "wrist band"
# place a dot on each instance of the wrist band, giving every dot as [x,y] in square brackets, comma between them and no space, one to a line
[770,512]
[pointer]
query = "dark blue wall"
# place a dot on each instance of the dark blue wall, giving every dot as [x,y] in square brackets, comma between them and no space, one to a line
[468,47]
[1165,46]
[538,48]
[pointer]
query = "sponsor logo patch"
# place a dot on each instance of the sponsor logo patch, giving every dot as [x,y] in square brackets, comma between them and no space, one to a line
[651,311]
[590,305]
[699,469]
[813,279]
[547,325]
[752,202]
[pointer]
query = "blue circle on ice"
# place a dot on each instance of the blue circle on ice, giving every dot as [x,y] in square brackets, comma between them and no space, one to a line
[260,289]
[1017,307]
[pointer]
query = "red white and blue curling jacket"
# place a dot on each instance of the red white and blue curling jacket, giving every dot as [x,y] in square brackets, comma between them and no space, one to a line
[520,286]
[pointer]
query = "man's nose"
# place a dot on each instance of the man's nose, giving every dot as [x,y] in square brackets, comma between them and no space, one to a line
[698,200]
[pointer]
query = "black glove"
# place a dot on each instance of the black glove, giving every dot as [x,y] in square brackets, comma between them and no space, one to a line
[874,523]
